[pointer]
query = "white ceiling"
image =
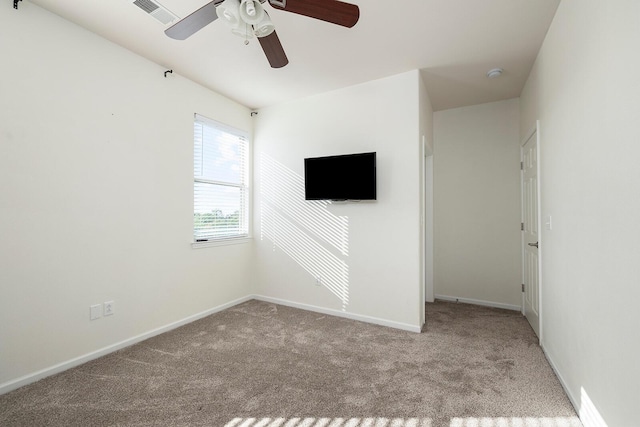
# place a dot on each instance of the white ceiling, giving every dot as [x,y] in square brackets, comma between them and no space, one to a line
[453,42]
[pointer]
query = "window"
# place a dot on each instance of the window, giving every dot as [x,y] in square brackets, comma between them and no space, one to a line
[220,177]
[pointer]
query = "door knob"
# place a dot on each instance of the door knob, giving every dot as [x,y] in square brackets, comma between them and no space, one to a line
[533,244]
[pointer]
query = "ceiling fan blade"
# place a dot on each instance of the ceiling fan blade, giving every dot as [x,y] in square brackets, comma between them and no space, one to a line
[273,50]
[334,11]
[194,22]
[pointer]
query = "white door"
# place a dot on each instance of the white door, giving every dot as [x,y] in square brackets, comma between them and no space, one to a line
[530,232]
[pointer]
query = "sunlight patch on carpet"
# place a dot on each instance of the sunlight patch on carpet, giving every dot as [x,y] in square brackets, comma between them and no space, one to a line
[516,422]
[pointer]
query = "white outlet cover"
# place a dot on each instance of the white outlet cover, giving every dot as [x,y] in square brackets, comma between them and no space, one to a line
[109,308]
[95,312]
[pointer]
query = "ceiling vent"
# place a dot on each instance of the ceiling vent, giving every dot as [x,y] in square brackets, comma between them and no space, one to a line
[156,10]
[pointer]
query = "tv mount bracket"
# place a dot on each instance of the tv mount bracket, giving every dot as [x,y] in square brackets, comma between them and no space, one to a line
[15,3]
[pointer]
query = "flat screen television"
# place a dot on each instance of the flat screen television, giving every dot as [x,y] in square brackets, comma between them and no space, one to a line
[346,177]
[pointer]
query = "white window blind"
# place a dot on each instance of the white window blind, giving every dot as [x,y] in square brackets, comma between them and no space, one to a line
[220,188]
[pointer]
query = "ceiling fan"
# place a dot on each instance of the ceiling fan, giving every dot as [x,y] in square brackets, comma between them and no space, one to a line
[248,18]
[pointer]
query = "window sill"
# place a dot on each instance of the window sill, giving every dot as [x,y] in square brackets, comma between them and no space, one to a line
[221,242]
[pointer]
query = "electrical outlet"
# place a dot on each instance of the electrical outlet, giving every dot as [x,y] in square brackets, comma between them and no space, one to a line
[95,312]
[109,308]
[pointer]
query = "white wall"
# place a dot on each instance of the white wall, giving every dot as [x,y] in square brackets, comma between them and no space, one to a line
[367,253]
[477,203]
[96,188]
[585,90]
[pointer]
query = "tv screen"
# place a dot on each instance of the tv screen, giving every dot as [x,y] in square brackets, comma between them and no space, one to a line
[346,177]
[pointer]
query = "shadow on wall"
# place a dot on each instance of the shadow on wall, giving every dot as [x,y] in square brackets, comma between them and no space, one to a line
[305,230]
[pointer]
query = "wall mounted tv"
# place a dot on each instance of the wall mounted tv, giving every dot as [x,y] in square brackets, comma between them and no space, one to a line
[346,177]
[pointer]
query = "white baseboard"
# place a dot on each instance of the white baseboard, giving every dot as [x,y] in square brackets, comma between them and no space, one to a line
[36,376]
[587,411]
[338,313]
[589,414]
[480,302]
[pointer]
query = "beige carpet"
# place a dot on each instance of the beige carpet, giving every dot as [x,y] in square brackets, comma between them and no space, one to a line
[265,365]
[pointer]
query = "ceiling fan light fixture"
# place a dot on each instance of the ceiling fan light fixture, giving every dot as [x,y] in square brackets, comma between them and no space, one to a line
[264,27]
[251,11]
[250,7]
[229,12]
[242,29]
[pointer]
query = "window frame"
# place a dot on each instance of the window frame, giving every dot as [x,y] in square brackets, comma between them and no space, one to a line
[244,187]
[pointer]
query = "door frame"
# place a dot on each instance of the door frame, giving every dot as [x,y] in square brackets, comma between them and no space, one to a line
[426,226]
[429,293]
[534,130]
